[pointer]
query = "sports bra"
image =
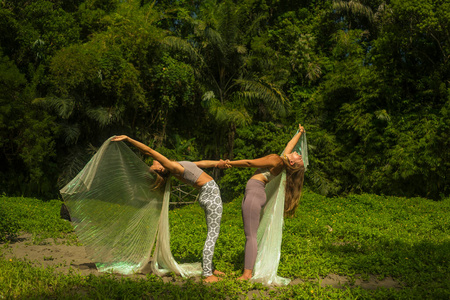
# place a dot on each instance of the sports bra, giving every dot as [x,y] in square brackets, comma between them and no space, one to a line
[266,173]
[191,172]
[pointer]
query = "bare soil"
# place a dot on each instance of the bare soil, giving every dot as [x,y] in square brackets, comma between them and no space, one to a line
[65,257]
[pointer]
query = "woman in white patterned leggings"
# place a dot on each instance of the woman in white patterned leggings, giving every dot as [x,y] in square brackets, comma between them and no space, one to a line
[209,197]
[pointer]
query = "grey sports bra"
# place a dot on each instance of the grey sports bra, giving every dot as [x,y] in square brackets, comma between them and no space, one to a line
[266,173]
[191,172]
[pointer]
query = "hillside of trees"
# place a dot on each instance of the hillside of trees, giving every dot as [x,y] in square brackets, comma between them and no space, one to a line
[368,79]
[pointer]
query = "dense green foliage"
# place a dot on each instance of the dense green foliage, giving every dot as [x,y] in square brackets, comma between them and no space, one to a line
[369,80]
[355,237]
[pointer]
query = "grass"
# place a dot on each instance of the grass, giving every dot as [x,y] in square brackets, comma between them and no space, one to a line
[34,216]
[356,236]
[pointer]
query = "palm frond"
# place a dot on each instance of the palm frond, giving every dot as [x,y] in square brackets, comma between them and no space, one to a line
[254,25]
[353,7]
[269,93]
[214,38]
[225,114]
[71,132]
[63,107]
[181,45]
[104,115]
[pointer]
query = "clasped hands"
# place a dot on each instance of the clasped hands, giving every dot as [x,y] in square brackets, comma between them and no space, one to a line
[223,164]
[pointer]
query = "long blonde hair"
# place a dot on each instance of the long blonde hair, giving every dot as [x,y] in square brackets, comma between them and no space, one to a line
[294,184]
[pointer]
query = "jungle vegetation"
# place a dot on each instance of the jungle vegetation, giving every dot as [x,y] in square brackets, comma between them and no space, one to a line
[369,80]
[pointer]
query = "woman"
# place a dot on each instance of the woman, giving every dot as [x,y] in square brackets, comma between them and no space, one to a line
[209,196]
[255,196]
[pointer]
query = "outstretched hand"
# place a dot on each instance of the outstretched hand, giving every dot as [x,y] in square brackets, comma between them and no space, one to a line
[119,138]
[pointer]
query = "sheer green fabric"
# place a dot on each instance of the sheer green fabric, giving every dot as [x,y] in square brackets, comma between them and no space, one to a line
[270,229]
[118,216]
[163,261]
[302,148]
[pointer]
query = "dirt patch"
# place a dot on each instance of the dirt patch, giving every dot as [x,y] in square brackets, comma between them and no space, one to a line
[62,257]
[50,253]
[65,258]
[370,282]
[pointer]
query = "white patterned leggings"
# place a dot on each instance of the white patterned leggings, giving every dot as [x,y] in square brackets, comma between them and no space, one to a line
[211,202]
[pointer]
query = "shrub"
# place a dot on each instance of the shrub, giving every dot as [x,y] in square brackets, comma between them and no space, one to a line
[9,227]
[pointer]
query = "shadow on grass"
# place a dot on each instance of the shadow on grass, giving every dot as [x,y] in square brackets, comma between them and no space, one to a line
[109,286]
[423,266]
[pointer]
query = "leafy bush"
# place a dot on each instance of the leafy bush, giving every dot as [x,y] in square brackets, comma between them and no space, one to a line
[9,226]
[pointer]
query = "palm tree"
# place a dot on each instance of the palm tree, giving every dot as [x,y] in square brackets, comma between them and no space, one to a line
[219,51]
[359,8]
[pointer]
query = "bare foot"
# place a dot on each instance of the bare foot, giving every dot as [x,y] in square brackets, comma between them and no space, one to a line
[246,275]
[211,278]
[219,273]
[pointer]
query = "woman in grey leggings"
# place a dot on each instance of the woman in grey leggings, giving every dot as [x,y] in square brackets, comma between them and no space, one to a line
[209,197]
[255,195]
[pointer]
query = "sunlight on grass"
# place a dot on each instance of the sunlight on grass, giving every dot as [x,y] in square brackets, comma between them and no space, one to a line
[356,236]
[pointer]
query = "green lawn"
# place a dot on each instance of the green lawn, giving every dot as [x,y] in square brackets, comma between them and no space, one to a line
[356,237]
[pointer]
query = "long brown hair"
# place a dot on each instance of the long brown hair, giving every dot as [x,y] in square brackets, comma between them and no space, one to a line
[294,184]
[158,179]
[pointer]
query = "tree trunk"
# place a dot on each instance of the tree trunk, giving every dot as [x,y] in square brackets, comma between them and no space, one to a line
[231,135]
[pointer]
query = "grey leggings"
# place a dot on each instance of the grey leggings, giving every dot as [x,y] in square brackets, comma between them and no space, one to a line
[211,202]
[254,200]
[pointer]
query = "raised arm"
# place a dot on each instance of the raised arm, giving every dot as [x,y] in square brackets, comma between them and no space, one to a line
[172,166]
[291,145]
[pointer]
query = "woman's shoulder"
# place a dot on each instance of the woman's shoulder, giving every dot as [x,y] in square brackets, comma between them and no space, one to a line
[274,159]
[274,156]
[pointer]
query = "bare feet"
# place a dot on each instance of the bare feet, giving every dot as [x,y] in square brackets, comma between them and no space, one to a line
[219,273]
[246,275]
[211,278]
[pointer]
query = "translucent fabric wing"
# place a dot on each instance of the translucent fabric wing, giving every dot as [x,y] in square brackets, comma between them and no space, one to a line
[270,229]
[114,210]
[116,213]
[163,260]
[270,234]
